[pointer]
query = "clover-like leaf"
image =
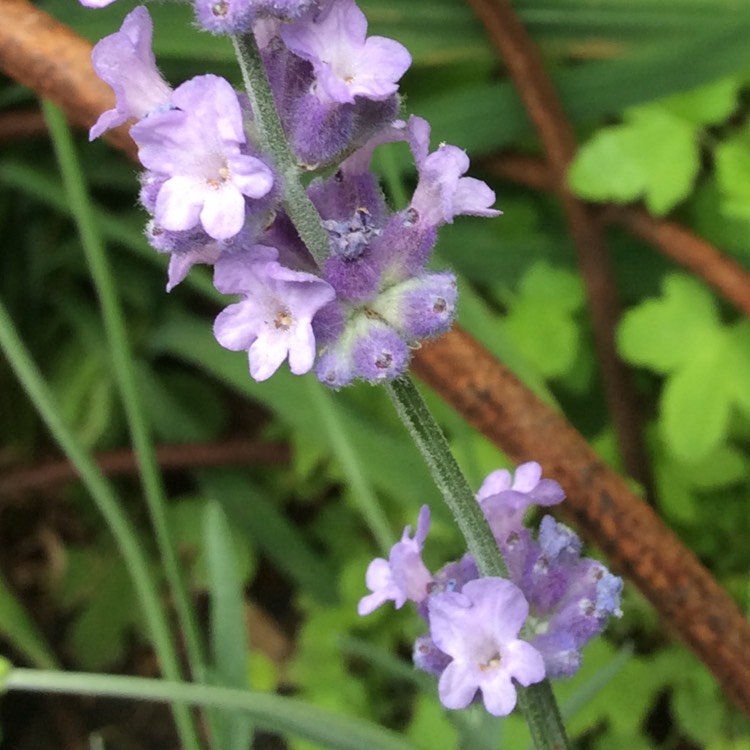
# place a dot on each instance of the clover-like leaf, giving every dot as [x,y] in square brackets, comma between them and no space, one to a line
[664,333]
[653,155]
[696,403]
[541,319]
[707,105]
[733,175]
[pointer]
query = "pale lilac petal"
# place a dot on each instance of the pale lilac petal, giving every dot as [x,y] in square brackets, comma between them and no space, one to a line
[368,604]
[451,618]
[499,694]
[496,482]
[458,685]
[251,176]
[523,662]
[423,525]
[96,3]
[499,603]
[266,355]
[547,492]
[378,574]
[179,203]
[236,272]
[223,212]
[527,476]
[234,328]
[419,138]
[346,64]
[474,198]
[125,61]
[301,349]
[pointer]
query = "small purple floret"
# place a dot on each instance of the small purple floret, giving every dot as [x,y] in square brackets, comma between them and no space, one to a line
[274,320]
[403,576]
[505,500]
[442,192]
[200,146]
[478,628]
[347,64]
[126,62]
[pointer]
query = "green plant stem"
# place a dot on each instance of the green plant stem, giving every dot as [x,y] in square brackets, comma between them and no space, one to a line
[272,712]
[125,377]
[273,141]
[536,702]
[107,503]
[448,476]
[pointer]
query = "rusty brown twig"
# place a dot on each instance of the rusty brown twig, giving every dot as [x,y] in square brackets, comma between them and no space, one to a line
[606,511]
[545,110]
[21,124]
[54,61]
[169,457]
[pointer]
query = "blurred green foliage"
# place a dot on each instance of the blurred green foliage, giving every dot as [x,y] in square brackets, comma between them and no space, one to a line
[658,90]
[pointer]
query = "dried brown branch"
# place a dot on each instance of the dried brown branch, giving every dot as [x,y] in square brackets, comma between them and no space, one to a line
[54,61]
[606,511]
[545,110]
[725,275]
[21,124]
[169,457]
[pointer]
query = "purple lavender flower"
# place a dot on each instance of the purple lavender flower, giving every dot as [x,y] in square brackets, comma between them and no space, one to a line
[403,575]
[419,308]
[505,500]
[96,3]
[239,16]
[571,598]
[185,249]
[274,320]
[347,64]
[201,148]
[442,192]
[225,16]
[126,62]
[478,628]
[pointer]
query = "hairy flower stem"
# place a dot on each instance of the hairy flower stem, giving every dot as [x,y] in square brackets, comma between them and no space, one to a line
[537,702]
[273,141]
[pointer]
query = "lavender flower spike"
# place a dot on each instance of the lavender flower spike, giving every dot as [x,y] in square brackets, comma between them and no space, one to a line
[347,63]
[126,62]
[403,575]
[201,147]
[478,628]
[274,321]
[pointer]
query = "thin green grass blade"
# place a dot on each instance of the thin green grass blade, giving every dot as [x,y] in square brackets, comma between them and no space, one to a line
[20,630]
[229,643]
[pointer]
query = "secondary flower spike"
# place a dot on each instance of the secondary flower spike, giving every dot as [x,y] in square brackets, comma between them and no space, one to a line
[486,632]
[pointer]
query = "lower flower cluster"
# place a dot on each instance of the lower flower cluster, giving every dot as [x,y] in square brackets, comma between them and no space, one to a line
[486,633]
